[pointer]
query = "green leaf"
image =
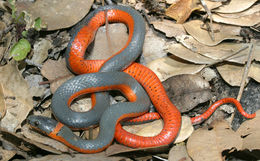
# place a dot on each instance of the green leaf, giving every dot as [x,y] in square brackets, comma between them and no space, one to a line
[20,50]
[24,33]
[38,24]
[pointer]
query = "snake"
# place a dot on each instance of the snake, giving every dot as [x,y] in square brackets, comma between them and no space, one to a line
[101,72]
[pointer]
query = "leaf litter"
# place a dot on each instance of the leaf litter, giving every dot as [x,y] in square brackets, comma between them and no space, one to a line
[177,52]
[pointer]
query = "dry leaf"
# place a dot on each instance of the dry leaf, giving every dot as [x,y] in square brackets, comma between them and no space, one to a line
[35,89]
[40,51]
[170,1]
[2,102]
[250,132]
[224,51]
[208,144]
[186,54]
[221,51]
[57,72]
[232,74]
[52,69]
[179,153]
[105,47]
[170,28]
[18,97]
[57,14]
[255,8]
[81,157]
[186,129]
[6,154]
[181,9]
[148,129]
[235,6]
[221,32]
[119,149]
[167,67]
[248,20]
[25,144]
[187,91]
[154,47]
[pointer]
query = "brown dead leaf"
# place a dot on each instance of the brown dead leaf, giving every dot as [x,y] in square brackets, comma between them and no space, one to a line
[250,132]
[44,142]
[119,149]
[52,69]
[248,20]
[2,102]
[147,129]
[40,51]
[185,131]
[167,67]
[224,51]
[253,9]
[6,154]
[170,28]
[103,48]
[232,74]
[179,153]
[181,9]
[81,157]
[154,47]
[186,54]
[187,91]
[208,144]
[220,51]
[56,72]
[57,14]
[235,6]
[25,144]
[18,97]
[221,32]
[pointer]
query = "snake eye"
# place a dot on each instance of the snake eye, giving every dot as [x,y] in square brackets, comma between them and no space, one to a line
[36,123]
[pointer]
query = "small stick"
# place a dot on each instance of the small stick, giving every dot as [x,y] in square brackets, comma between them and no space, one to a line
[245,74]
[210,26]
[227,57]
[244,77]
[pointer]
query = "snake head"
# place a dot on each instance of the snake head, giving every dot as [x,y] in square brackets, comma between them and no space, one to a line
[41,123]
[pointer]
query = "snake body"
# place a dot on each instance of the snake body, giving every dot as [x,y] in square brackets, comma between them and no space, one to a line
[83,34]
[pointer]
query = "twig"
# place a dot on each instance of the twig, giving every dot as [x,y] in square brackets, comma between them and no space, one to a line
[109,42]
[245,74]
[244,77]
[210,26]
[227,57]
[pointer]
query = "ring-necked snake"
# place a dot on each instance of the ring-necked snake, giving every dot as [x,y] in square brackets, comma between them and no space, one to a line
[105,80]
